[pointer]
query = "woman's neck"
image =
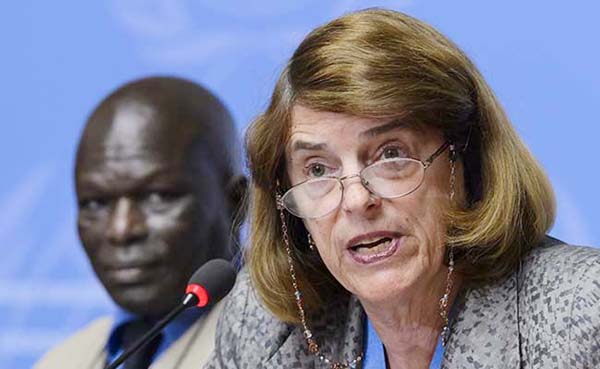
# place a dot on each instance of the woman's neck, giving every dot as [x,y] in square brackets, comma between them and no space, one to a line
[409,327]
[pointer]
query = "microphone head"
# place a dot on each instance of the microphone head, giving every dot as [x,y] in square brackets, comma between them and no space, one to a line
[211,282]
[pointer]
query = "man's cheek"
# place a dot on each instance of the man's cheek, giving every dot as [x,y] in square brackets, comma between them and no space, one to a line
[91,243]
[163,222]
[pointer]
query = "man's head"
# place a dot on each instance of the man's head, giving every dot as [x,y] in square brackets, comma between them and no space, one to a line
[157,186]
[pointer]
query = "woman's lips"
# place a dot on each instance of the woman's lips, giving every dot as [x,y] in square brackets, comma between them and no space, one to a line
[374,247]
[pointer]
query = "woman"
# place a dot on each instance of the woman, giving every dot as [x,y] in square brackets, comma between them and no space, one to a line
[398,220]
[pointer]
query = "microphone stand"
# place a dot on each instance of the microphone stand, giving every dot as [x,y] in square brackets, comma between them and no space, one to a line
[188,301]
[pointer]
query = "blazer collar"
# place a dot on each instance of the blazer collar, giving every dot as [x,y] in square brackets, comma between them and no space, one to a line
[485,330]
[337,329]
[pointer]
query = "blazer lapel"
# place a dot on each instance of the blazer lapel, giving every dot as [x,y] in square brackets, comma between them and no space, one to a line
[484,332]
[341,331]
[338,330]
[92,354]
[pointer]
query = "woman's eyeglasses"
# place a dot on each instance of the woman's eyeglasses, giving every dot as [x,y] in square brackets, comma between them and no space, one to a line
[388,179]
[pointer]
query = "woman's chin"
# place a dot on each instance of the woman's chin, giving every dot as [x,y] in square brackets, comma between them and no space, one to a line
[380,286]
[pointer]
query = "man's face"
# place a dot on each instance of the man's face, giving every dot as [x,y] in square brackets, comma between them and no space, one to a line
[145,213]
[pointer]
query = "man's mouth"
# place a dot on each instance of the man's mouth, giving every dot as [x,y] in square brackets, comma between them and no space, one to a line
[133,274]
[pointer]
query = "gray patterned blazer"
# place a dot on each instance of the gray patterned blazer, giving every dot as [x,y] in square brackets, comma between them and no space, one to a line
[547,315]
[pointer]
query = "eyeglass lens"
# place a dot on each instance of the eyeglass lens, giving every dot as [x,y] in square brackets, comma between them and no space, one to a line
[390,178]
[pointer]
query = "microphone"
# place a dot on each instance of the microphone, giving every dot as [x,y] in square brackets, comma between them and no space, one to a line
[208,285]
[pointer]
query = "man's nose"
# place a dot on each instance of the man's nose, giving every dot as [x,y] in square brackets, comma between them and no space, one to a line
[357,198]
[127,223]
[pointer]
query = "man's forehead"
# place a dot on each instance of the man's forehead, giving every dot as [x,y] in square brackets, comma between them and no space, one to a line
[135,152]
[131,125]
[141,135]
[109,161]
[130,174]
[133,128]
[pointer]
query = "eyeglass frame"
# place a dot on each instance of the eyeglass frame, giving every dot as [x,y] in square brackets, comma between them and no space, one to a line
[426,164]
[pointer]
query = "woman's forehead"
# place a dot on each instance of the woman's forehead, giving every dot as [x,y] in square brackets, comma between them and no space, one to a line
[320,126]
[303,117]
[312,129]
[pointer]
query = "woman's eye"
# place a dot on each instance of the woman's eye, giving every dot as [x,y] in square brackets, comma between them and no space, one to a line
[316,170]
[392,152]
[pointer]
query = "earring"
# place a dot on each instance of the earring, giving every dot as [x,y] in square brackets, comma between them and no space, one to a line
[311,243]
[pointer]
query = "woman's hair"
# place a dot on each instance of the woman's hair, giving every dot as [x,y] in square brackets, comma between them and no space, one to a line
[384,64]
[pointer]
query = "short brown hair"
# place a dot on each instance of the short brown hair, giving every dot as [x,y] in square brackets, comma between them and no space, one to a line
[384,64]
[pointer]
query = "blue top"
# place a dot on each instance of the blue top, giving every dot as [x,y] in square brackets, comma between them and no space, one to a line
[375,356]
[171,333]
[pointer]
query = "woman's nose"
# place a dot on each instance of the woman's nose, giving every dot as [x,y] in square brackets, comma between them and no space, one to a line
[357,198]
[127,223]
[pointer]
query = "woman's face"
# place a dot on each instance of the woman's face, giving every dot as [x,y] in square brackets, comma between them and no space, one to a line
[376,248]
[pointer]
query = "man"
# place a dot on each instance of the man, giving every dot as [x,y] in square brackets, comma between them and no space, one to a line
[158,190]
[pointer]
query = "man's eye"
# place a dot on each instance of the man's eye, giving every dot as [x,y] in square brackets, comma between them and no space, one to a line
[160,197]
[92,204]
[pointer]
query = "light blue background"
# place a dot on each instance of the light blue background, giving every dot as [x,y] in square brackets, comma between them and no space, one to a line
[59,58]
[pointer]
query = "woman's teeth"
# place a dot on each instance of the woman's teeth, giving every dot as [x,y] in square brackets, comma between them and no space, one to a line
[373,247]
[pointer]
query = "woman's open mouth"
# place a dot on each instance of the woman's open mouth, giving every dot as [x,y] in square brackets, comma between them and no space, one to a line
[374,248]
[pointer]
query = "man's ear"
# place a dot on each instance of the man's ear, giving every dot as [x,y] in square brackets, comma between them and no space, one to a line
[237,196]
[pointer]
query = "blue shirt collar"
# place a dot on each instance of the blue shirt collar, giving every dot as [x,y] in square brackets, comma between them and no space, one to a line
[171,333]
[373,347]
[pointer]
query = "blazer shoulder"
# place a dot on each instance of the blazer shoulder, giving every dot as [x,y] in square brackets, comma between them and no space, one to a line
[246,332]
[88,343]
[561,270]
[244,307]
[560,297]
[567,262]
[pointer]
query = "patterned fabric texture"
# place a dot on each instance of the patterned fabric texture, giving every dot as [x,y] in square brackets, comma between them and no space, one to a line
[545,315]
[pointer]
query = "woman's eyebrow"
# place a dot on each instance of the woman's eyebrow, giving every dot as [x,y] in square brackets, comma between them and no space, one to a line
[386,127]
[305,145]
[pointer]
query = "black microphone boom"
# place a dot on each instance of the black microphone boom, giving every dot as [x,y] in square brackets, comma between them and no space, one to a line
[209,284]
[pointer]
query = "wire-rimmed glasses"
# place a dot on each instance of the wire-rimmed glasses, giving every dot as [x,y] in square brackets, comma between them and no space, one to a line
[389,179]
